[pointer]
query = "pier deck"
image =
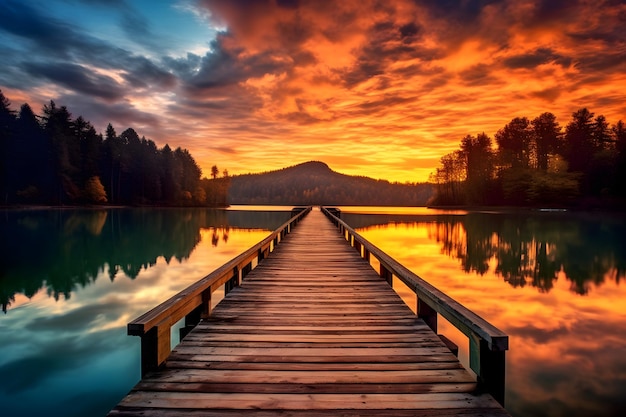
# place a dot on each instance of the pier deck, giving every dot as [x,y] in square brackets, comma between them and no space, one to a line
[313,330]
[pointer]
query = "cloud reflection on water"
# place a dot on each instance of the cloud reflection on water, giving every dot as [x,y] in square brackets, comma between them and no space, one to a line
[71,353]
[567,333]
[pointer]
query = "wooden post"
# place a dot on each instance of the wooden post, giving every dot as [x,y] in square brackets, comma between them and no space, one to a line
[357,246]
[233,281]
[490,366]
[246,270]
[366,254]
[191,320]
[206,303]
[428,314]
[155,348]
[386,274]
[493,367]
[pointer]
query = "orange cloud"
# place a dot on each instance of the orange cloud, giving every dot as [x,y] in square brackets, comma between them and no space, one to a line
[372,87]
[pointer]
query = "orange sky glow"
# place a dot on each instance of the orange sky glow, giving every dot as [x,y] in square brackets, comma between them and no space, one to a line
[376,88]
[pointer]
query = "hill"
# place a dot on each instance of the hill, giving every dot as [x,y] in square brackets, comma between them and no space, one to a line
[314,183]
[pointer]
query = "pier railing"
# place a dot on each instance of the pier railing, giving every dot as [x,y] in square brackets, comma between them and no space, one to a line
[487,343]
[194,302]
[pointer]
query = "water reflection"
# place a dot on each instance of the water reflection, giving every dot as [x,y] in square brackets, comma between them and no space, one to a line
[553,282]
[71,280]
[60,250]
[528,249]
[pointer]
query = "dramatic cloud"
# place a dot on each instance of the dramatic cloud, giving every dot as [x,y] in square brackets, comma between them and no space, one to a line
[372,87]
[77,78]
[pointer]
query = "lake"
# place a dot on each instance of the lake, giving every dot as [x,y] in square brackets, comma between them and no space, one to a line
[70,280]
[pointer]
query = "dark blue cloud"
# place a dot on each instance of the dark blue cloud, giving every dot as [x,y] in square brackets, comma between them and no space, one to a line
[42,32]
[141,72]
[50,49]
[119,113]
[224,67]
[76,78]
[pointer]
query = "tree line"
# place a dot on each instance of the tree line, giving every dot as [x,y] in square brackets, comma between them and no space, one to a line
[54,159]
[537,162]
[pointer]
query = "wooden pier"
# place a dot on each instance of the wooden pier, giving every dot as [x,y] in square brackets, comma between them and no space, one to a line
[312,330]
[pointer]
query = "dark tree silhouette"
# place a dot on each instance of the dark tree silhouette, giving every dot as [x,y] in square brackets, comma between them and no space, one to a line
[515,143]
[579,141]
[7,127]
[547,135]
[478,154]
[55,159]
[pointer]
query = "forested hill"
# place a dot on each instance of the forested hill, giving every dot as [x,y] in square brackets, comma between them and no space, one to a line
[313,183]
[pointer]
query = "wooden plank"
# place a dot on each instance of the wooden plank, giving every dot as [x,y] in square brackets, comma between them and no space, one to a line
[329,366]
[190,412]
[260,358]
[239,401]
[184,349]
[315,376]
[325,388]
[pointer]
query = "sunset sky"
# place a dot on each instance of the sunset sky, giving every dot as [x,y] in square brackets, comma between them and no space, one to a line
[376,88]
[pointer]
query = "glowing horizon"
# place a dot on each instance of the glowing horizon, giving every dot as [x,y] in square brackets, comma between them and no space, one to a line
[380,89]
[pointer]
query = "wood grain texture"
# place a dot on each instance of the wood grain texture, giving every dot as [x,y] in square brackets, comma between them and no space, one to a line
[312,331]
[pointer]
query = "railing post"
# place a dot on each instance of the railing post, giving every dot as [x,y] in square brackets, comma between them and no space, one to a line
[155,347]
[427,313]
[366,254]
[191,320]
[206,303]
[246,270]
[489,365]
[386,274]
[232,282]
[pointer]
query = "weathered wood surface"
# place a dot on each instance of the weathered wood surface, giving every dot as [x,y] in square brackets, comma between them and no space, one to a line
[313,331]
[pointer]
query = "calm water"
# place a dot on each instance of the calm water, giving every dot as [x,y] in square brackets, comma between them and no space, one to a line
[70,281]
[554,282]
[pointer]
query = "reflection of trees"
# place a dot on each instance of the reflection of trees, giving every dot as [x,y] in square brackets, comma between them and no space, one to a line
[60,250]
[525,252]
[532,249]
[217,233]
[526,248]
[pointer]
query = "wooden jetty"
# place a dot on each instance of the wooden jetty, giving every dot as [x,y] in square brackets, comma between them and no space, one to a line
[309,328]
